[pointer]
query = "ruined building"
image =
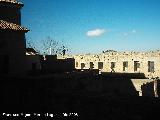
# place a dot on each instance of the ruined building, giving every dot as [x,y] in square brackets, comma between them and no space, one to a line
[122,62]
[12,38]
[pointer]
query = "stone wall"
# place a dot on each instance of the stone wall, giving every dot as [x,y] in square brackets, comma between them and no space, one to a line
[138,83]
[52,64]
[33,62]
[123,62]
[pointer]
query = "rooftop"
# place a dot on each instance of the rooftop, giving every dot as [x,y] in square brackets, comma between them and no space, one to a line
[31,51]
[4,25]
[12,1]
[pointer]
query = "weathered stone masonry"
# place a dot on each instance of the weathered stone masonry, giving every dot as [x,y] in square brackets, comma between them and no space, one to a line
[123,62]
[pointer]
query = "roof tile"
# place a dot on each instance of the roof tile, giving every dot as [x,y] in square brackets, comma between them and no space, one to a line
[4,25]
[11,1]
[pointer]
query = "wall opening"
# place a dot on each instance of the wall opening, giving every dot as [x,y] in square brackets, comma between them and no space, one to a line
[136,65]
[150,66]
[91,65]
[100,65]
[82,65]
[113,65]
[76,64]
[34,66]
[4,64]
[125,65]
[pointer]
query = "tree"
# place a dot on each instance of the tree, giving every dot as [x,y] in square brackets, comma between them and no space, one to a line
[52,47]
[31,44]
[48,46]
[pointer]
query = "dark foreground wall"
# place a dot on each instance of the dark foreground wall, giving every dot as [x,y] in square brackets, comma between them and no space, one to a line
[54,94]
[12,52]
[52,64]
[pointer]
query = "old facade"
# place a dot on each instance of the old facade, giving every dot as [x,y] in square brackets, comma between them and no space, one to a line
[122,62]
[33,60]
[12,38]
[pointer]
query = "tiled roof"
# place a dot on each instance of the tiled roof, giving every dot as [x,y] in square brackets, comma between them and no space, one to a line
[31,50]
[4,25]
[12,1]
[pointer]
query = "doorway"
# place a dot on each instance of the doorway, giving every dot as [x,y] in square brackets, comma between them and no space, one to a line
[4,64]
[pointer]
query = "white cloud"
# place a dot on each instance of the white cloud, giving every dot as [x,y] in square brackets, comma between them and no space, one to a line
[129,33]
[125,34]
[95,33]
[134,31]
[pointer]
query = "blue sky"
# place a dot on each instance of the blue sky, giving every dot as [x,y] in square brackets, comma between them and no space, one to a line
[91,26]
